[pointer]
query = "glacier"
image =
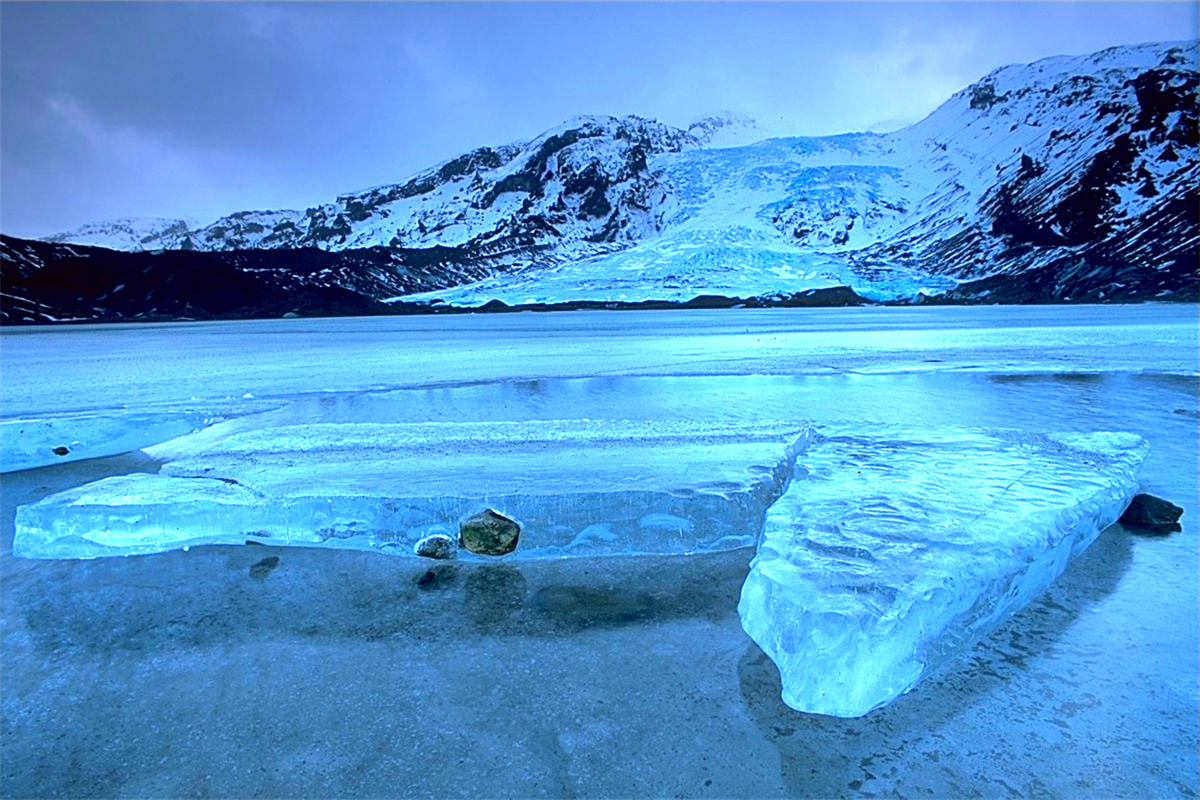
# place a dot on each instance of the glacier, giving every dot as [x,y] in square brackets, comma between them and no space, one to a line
[576,487]
[892,551]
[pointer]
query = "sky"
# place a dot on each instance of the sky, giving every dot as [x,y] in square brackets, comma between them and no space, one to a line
[197,110]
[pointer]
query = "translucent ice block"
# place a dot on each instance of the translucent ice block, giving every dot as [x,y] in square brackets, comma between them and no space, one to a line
[575,487]
[27,443]
[893,550]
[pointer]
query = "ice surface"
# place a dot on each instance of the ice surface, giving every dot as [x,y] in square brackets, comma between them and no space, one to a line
[894,550]
[577,487]
[78,368]
[32,442]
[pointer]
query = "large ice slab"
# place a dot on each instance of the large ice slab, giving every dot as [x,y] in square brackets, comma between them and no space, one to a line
[27,443]
[894,550]
[577,487]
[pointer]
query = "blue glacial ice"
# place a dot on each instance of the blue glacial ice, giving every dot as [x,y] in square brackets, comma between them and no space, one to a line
[894,550]
[883,550]
[30,442]
[577,487]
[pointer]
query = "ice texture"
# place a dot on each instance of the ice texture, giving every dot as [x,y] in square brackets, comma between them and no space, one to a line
[59,370]
[27,443]
[576,487]
[883,550]
[894,550]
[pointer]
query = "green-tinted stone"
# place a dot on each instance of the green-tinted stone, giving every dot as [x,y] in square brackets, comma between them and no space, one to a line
[489,533]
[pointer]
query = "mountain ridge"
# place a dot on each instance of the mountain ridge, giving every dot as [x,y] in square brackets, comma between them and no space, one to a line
[1080,167]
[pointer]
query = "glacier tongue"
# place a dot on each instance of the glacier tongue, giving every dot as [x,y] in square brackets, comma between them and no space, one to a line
[894,550]
[577,487]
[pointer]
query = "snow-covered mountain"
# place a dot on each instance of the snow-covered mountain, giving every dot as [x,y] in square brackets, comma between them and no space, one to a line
[127,233]
[726,129]
[1070,178]
[584,182]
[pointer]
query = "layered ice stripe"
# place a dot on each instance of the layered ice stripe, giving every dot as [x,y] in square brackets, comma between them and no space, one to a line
[895,550]
[577,487]
[27,443]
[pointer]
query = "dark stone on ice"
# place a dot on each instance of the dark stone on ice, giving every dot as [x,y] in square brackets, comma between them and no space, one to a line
[437,545]
[489,533]
[61,451]
[1148,511]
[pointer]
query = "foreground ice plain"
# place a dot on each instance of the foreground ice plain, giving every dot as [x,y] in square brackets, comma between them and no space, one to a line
[891,346]
[101,660]
[896,549]
[890,550]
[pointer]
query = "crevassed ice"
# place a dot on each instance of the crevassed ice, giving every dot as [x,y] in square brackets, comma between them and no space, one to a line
[893,550]
[575,486]
[26,443]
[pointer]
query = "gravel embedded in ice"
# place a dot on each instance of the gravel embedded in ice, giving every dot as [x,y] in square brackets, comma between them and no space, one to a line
[894,550]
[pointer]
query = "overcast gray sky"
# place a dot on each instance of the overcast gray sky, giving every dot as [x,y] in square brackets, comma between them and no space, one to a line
[200,109]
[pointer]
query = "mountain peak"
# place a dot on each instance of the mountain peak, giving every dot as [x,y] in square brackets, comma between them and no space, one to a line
[725,129]
[123,233]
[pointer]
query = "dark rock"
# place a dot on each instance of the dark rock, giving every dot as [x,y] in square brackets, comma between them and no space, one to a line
[833,296]
[489,533]
[437,545]
[1148,511]
[983,96]
[61,451]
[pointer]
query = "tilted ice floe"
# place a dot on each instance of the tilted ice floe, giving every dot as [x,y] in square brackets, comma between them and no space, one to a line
[883,550]
[576,487]
[894,550]
[27,443]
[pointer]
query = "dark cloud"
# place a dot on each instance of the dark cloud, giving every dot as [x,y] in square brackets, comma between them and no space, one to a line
[198,109]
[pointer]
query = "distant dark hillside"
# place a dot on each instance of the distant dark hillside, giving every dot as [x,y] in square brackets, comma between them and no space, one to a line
[45,283]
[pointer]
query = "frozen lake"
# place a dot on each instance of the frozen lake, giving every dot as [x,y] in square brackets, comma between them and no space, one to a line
[588,677]
[49,370]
